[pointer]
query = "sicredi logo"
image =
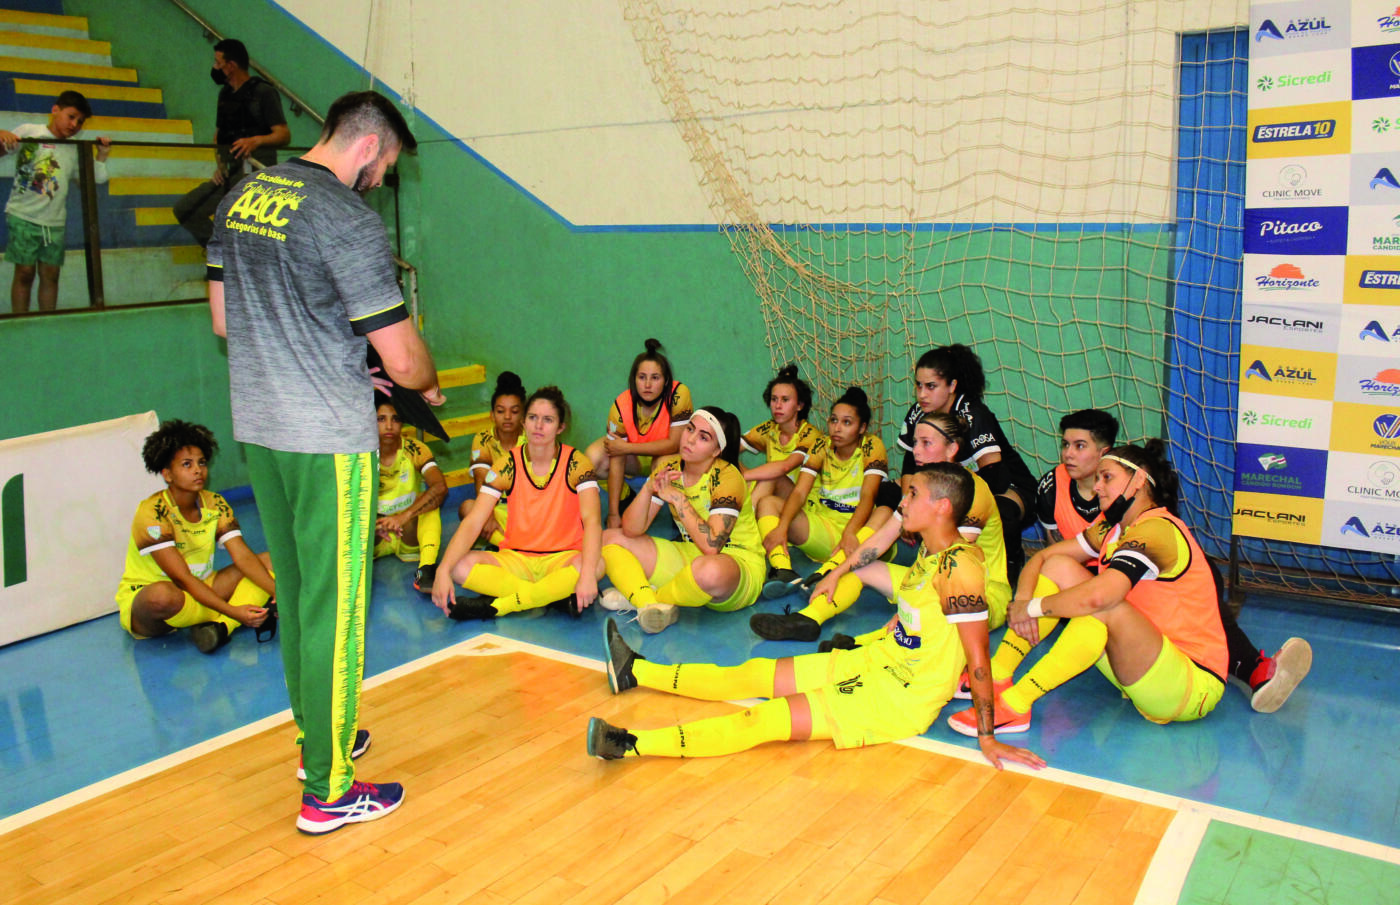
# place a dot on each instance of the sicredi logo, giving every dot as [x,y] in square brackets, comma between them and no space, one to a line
[1253,418]
[1386,383]
[1379,279]
[1306,130]
[1296,28]
[1285,278]
[1384,179]
[1269,83]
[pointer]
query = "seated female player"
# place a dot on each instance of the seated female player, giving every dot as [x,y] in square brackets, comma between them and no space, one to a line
[718,561]
[785,441]
[491,444]
[845,468]
[645,421]
[937,438]
[890,687]
[950,379]
[1149,619]
[553,530]
[411,491]
[169,581]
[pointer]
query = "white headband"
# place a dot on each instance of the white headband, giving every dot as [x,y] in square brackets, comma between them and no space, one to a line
[713,422]
[1133,467]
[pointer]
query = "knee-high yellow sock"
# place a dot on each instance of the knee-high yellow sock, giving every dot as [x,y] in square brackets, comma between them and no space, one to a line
[823,608]
[491,580]
[531,594]
[245,593]
[839,556]
[628,576]
[683,590]
[1079,646]
[770,721]
[778,557]
[1013,648]
[429,536]
[707,682]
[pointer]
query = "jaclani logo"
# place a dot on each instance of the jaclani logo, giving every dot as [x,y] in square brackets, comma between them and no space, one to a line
[1284,278]
[1292,324]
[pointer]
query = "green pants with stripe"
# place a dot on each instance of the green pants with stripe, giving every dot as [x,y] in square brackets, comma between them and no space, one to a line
[318,514]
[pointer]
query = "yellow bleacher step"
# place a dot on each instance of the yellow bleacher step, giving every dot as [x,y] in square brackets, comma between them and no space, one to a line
[461,377]
[168,152]
[68,70]
[186,254]
[43,20]
[153,185]
[91,92]
[466,425]
[100,124]
[45,42]
[154,216]
[458,477]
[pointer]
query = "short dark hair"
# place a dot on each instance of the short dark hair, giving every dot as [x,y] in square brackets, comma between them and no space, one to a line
[172,436]
[1102,426]
[75,100]
[956,362]
[362,113]
[950,481]
[555,397]
[234,51]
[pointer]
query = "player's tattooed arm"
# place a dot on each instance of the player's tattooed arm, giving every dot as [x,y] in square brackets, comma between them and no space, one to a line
[864,557]
[717,539]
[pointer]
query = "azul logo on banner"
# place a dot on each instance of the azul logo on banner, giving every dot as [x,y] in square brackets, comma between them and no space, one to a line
[1295,376]
[1374,331]
[1272,469]
[1384,179]
[1305,130]
[1301,231]
[1285,278]
[1386,383]
[1379,279]
[1303,27]
[1375,72]
[1371,530]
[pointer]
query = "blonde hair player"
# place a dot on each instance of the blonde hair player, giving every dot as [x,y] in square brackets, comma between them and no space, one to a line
[890,687]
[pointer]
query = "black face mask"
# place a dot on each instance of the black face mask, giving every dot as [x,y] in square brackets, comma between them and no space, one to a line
[218,76]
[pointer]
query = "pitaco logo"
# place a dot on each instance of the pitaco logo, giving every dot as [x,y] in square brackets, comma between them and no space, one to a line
[1286,278]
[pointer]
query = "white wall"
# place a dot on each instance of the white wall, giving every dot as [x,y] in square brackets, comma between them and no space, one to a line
[865,111]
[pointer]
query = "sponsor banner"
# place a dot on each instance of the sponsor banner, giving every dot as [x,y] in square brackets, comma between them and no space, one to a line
[1370,330]
[1375,230]
[1296,519]
[1309,78]
[1295,231]
[1362,526]
[1375,179]
[1369,429]
[1369,380]
[1288,372]
[1314,328]
[1268,420]
[1374,22]
[1376,125]
[1371,280]
[1293,279]
[1352,477]
[1375,72]
[1283,470]
[1279,29]
[1306,130]
[1298,182]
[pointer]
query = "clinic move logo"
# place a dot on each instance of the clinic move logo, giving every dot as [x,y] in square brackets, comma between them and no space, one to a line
[16,560]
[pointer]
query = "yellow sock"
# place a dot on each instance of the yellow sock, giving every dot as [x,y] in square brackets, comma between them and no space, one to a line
[491,580]
[779,557]
[497,538]
[1079,646]
[823,608]
[1013,648]
[429,536]
[839,556]
[683,590]
[531,594]
[770,721]
[628,576]
[244,594]
[707,682]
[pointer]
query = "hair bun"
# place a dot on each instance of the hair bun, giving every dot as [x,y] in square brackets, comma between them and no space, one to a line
[856,395]
[788,372]
[509,382]
[653,346]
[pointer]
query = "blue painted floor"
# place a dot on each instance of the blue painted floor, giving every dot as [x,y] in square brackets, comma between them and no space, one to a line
[88,702]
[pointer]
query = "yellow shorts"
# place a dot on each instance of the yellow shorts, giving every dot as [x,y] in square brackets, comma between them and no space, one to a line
[674,555]
[824,529]
[1174,690]
[397,546]
[533,566]
[862,699]
[192,613]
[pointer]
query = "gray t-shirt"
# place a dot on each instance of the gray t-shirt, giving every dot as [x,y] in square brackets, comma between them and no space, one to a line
[307,271]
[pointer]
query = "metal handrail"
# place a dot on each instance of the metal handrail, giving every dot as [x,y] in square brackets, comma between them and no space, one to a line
[298,105]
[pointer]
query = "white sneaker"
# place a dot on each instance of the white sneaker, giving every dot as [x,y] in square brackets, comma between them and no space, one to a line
[616,601]
[655,618]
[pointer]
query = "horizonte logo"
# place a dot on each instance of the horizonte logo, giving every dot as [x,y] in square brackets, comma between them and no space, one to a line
[1284,277]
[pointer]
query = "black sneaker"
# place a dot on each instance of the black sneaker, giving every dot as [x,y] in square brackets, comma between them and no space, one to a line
[785,626]
[467,608]
[209,636]
[837,641]
[609,742]
[268,630]
[619,656]
[780,582]
[424,577]
[811,581]
[567,605]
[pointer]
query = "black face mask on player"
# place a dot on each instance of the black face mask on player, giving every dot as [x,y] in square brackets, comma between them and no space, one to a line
[218,76]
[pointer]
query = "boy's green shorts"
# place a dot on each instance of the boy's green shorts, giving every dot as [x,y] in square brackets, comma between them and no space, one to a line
[32,244]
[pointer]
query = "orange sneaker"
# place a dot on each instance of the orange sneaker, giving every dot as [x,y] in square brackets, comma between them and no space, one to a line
[1005,720]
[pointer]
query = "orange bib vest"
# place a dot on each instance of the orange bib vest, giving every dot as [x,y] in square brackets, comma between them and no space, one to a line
[542,519]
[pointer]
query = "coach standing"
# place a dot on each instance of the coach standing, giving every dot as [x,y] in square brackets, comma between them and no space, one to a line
[300,275]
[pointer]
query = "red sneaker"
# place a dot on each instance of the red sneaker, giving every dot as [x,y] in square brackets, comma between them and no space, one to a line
[1005,720]
[1274,679]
